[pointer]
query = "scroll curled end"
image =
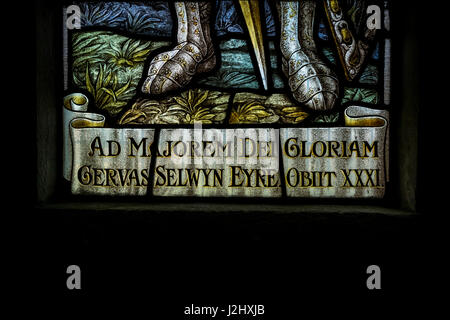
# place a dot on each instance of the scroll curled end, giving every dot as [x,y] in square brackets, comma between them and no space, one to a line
[357,116]
[75,116]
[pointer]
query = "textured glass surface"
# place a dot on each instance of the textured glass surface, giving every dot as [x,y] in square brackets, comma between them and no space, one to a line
[310,75]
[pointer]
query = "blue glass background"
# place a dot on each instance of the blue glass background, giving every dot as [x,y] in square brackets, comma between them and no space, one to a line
[154,18]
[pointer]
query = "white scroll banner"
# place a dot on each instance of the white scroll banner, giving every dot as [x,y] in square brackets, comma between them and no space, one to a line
[218,163]
[338,162]
[349,161]
[75,107]
[103,161]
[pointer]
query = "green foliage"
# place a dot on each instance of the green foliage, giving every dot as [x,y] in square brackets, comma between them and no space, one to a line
[192,103]
[293,114]
[369,75]
[360,95]
[86,47]
[130,53]
[327,118]
[229,79]
[248,112]
[188,107]
[109,57]
[104,88]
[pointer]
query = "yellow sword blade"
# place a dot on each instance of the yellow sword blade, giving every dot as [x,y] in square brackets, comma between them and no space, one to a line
[250,10]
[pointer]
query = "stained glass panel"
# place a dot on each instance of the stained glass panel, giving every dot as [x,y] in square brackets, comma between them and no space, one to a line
[227,98]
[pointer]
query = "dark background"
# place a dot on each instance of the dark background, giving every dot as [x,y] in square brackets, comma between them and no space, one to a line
[291,259]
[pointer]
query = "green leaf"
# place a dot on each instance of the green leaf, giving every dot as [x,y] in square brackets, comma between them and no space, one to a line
[261,113]
[201,99]
[133,45]
[123,89]
[99,82]
[207,116]
[115,105]
[297,114]
[89,86]
[115,81]
[360,94]
[86,51]
[301,118]
[140,54]
[81,60]
[181,101]
[176,107]
[111,93]
[251,117]
[220,116]
[172,119]
[103,99]
[133,117]
[289,109]
[190,97]
[125,47]
[108,79]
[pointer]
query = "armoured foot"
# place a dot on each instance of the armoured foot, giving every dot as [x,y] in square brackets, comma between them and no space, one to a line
[311,82]
[174,69]
[192,55]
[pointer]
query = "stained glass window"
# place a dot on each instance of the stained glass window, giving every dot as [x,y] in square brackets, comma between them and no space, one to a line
[281,99]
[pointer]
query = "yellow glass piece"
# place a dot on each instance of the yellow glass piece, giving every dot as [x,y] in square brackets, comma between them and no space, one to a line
[79,100]
[250,10]
[346,35]
[364,122]
[354,59]
[86,123]
[334,4]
